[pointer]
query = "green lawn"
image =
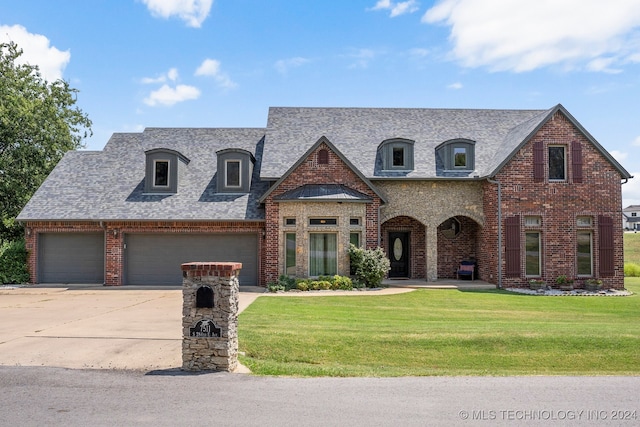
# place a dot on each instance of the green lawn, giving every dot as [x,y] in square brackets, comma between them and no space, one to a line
[632,247]
[443,332]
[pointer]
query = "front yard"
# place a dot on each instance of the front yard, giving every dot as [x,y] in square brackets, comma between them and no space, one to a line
[443,332]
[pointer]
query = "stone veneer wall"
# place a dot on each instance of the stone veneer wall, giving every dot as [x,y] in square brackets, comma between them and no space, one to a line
[431,203]
[211,353]
[302,212]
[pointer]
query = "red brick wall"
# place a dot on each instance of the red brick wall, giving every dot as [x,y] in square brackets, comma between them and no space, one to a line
[462,247]
[114,257]
[310,171]
[558,203]
[417,244]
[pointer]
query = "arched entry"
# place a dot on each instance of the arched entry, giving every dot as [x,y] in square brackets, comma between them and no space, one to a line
[457,241]
[403,240]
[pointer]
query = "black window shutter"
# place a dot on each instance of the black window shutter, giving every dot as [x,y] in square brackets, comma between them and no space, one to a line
[576,161]
[512,246]
[605,234]
[538,161]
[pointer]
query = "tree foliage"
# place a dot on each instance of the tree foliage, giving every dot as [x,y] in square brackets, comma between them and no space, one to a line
[39,122]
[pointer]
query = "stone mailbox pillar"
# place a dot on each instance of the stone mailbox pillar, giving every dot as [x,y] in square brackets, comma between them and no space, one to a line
[210,316]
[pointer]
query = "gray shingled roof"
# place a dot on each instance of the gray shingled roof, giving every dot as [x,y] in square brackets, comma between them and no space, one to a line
[358,132]
[108,184]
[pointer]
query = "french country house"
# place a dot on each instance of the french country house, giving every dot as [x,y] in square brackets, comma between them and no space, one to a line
[523,194]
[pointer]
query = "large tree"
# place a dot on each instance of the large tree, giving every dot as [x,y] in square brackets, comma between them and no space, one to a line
[39,122]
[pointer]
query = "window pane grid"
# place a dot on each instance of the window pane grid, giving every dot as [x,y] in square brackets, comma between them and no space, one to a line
[323,256]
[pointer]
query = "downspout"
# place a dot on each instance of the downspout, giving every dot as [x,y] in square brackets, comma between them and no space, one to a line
[491,181]
[379,227]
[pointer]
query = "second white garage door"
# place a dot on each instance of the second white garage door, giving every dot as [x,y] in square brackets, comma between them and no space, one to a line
[155,259]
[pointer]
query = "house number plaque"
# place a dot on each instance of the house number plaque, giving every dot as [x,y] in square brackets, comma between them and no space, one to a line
[204,329]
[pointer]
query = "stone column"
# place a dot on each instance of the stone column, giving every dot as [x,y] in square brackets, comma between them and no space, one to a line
[210,292]
[431,237]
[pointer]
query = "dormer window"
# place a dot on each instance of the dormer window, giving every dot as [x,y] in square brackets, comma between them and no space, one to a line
[397,155]
[235,167]
[457,155]
[163,169]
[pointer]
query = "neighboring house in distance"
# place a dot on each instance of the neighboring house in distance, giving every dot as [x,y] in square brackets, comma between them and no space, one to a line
[631,217]
[525,193]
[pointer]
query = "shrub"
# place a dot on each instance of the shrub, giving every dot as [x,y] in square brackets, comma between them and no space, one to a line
[13,263]
[631,269]
[342,283]
[370,265]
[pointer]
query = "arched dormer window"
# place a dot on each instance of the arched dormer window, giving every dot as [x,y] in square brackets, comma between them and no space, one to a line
[162,171]
[457,154]
[235,168]
[396,154]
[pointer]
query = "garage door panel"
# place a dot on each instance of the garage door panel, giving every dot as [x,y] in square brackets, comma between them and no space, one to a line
[71,258]
[155,259]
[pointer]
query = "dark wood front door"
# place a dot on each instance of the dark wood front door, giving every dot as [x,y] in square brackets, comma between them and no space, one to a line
[399,254]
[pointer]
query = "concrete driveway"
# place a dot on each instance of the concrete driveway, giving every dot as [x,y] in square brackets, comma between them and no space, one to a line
[97,327]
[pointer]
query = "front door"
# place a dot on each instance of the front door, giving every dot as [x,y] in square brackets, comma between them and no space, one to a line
[399,254]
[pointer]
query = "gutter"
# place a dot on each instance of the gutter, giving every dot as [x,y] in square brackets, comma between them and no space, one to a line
[491,181]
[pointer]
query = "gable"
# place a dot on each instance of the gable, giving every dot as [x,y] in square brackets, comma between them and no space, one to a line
[322,164]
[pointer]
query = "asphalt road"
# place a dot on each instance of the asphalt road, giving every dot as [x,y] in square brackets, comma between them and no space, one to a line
[65,397]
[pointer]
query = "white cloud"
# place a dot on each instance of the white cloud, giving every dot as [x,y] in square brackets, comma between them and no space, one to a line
[168,96]
[396,8]
[362,58]
[211,68]
[284,65]
[192,12]
[455,86]
[620,156]
[171,75]
[37,50]
[506,35]
[636,142]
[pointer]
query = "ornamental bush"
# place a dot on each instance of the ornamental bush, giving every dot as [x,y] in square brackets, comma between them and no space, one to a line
[369,265]
[13,263]
[631,269]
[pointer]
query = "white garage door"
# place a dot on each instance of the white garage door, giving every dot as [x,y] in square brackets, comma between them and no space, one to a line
[71,258]
[155,259]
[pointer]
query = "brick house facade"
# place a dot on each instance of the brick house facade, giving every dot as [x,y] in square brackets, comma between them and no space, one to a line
[526,194]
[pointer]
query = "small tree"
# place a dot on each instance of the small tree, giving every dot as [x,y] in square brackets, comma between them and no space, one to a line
[369,265]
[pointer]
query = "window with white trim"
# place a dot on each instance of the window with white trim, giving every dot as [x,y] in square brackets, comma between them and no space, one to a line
[323,254]
[161,173]
[232,174]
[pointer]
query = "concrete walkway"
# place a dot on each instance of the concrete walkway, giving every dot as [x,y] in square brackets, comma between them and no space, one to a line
[96,327]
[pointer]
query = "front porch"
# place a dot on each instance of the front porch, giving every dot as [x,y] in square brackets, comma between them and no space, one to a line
[463,285]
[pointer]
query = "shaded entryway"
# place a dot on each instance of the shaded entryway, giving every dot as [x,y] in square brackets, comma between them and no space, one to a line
[403,240]
[457,241]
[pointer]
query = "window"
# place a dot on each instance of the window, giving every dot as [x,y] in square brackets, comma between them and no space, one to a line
[161,173]
[557,163]
[354,239]
[634,214]
[460,157]
[584,221]
[532,251]
[323,221]
[323,254]
[232,174]
[584,253]
[290,254]
[532,221]
[354,221]
[290,221]
[398,157]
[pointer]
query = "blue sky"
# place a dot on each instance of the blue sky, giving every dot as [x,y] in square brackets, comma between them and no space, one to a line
[222,63]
